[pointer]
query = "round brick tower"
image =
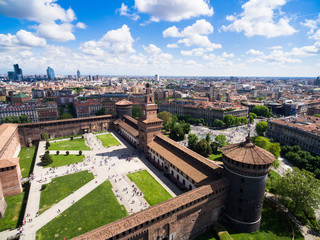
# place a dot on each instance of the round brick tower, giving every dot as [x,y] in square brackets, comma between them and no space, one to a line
[124,107]
[246,166]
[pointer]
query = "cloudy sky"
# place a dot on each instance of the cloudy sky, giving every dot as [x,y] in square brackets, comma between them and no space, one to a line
[165,37]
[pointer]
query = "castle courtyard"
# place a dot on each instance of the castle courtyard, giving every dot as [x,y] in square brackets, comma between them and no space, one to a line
[109,165]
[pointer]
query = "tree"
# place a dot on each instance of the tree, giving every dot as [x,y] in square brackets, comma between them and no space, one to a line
[65,116]
[80,153]
[101,111]
[265,143]
[261,127]
[203,148]
[177,132]
[165,116]
[67,153]
[301,189]
[45,136]
[252,116]
[46,159]
[186,128]
[192,141]
[229,120]
[261,111]
[136,111]
[47,145]
[24,118]
[58,152]
[316,115]
[208,138]
[218,123]
[221,140]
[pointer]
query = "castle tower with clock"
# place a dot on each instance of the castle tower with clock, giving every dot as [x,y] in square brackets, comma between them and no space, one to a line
[149,124]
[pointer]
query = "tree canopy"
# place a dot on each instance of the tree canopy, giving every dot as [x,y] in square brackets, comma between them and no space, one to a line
[301,189]
[261,111]
[136,111]
[261,127]
[46,159]
[203,148]
[192,141]
[165,116]
[15,119]
[101,111]
[65,116]
[221,140]
[218,123]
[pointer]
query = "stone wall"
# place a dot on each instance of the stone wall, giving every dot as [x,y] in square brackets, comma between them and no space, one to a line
[32,132]
[11,147]
[10,180]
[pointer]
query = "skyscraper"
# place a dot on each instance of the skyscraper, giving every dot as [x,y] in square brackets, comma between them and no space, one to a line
[17,72]
[50,73]
[78,74]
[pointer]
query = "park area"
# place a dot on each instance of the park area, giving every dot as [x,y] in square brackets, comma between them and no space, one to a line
[108,140]
[75,144]
[274,225]
[62,160]
[153,192]
[97,208]
[61,187]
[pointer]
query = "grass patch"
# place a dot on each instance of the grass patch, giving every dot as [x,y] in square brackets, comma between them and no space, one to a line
[97,208]
[75,144]
[108,140]
[61,187]
[16,206]
[11,216]
[62,160]
[272,178]
[26,161]
[216,157]
[153,192]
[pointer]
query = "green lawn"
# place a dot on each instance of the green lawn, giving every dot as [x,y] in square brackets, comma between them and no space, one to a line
[61,187]
[75,144]
[108,140]
[58,138]
[153,192]
[62,160]
[272,178]
[26,162]
[14,209]
[216,157]
[97,208]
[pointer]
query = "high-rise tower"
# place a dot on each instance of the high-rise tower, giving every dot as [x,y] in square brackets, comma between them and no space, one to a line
[149,124]
[246,166]
[50,73]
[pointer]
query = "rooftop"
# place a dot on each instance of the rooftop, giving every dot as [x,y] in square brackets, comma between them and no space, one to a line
[123,102]
[6,131]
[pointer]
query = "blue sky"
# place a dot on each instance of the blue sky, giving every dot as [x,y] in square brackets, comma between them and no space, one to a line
[165,37]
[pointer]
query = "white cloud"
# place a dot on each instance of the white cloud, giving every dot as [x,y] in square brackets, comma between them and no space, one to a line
[36,10]
[22,39]
[193,35]
[81,25]
[124,11]
[172,45]
[313,24]
[54,21]
[117,41]
[173,10]
[194,52]
[258,18]
[56,32]
[29,39]
[226,55]
[254,52]
[152,49]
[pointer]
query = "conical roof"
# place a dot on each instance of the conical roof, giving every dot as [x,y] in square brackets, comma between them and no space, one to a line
[123,102]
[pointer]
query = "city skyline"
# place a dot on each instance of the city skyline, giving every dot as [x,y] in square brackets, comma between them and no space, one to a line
[177,38]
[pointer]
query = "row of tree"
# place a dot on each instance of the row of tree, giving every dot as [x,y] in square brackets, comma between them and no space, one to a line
[230,120]
[205,146]
[261,111]
[302,159]
[15,119]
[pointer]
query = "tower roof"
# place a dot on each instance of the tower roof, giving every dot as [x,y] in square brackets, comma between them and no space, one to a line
[123,102]
[249,153]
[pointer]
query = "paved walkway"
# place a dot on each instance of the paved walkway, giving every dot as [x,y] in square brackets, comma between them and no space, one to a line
[111,163]
[307,233]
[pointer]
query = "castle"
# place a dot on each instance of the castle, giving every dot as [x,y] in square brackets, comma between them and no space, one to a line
[232,192]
